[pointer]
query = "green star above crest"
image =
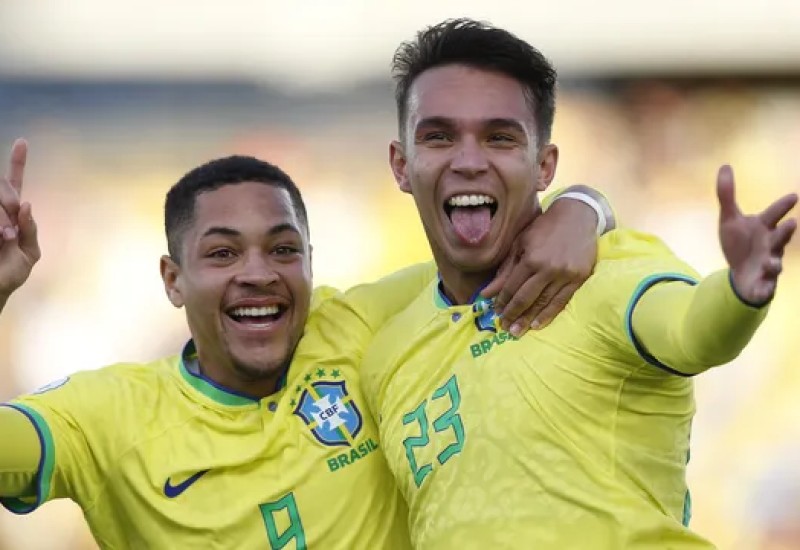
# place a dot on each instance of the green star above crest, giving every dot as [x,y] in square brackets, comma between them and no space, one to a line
[320,373]
[335,373]
[307,378]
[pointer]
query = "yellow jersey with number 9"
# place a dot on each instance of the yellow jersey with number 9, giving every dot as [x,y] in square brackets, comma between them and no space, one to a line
[158,456]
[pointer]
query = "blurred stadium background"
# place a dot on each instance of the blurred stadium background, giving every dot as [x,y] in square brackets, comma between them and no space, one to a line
[119,99]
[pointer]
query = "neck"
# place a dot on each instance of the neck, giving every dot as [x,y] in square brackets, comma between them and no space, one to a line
[460,287]
[237,379]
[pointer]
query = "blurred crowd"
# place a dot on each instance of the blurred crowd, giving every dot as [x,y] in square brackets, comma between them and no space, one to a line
[103,155]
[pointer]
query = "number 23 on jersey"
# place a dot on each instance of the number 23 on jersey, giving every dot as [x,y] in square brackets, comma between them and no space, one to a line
[446,430]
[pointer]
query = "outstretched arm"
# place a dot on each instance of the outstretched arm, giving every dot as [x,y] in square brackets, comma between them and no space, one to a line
[689,329]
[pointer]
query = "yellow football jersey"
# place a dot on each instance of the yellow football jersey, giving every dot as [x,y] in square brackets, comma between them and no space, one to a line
[565,438]
[159,456]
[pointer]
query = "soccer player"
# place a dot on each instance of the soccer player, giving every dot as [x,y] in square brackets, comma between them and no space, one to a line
[577,435]
[227,444]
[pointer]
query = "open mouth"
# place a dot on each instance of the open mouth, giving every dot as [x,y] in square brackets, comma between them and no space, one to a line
[471,216]
[257,317]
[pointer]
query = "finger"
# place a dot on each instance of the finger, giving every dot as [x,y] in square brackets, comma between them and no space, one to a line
[518,273]
[519,327]
[28,233]
[772,268]
[499,280]
[7,233]
[525,320]
[776,211]
[9,204]
[16,167]
[764,292]
[542,302]
[782,235]
[556,306]
[726,193]
[526,296]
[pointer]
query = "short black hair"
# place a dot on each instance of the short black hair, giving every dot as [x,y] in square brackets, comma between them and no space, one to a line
[181,198]
[482,46]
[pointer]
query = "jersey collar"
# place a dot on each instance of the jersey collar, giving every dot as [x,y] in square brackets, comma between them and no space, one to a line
[479,303]
[191,374]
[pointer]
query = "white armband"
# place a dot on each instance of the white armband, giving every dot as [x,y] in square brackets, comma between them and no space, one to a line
[602,222]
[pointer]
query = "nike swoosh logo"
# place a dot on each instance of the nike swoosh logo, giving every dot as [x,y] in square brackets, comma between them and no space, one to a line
[172,491]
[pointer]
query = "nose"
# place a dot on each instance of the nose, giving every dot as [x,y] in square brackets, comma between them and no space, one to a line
[256,271]
[469,158]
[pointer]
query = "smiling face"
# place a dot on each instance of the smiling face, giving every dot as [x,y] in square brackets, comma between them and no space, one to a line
[245,281]
[473,165]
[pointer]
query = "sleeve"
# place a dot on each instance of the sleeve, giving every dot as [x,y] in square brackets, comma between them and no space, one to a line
[61,415]
[629,265]
[649,306]
[380,301]
[20,453]
[346,322]
[321,295]
[693,327]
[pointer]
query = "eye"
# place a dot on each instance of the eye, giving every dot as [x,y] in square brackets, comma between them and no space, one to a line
[221,253]
[435,137]
[285,250]
[502,138]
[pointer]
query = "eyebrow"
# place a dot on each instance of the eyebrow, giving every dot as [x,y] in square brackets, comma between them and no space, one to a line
[449,123]
[230,232]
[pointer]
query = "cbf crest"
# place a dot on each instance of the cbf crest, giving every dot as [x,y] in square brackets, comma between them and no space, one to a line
[329,411]
[485,317]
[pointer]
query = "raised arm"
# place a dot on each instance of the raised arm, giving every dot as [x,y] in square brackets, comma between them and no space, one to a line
[19,247]
[689,328]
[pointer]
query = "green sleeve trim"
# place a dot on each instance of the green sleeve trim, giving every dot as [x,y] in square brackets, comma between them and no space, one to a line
[47,460]
[646,284]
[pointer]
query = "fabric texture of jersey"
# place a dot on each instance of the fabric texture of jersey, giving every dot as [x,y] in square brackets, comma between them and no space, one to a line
[565,438]
[160,457]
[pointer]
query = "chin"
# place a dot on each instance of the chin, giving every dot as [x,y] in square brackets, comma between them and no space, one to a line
[472,260]
[262,368]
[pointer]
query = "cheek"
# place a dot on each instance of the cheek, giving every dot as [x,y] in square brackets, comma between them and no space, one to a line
[203,294]
[298,279]
[426,169]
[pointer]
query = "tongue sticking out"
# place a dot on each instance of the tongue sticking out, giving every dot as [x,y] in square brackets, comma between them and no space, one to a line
[472,224]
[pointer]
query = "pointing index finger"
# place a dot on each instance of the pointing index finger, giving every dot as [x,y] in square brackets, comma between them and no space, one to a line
[16,166]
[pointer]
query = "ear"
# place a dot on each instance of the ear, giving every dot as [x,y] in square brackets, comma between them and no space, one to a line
[171,275]
[397,160]
[548,160]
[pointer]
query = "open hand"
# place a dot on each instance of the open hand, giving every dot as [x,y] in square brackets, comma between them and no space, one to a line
[753,245]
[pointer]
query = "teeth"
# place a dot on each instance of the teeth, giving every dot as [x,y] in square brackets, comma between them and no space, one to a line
[470,200]
[254,311]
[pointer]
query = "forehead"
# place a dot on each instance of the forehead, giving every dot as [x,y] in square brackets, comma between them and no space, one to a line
[467,93]
[248,203]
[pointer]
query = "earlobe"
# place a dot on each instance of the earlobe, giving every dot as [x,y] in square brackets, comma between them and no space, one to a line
[170,275]
[548,161]
[397,160]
